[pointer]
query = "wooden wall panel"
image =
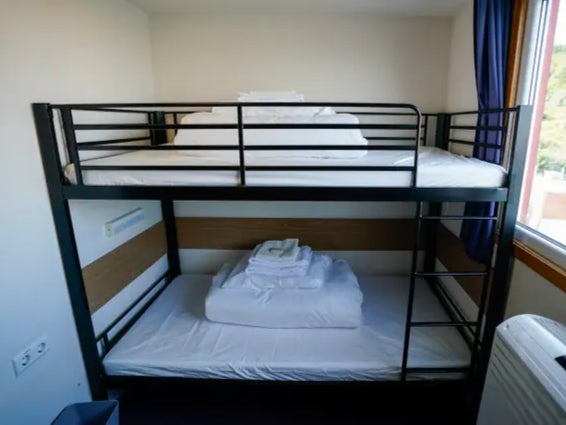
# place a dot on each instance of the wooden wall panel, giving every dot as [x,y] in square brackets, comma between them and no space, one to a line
[451,253]
[321,234]
[108,275]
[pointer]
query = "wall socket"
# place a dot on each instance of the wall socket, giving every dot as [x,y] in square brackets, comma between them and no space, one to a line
[25,358]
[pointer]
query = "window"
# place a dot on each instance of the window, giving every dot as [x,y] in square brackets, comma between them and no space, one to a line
[543,208]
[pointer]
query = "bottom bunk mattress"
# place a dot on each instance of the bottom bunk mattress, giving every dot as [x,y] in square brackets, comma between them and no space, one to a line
[173,338]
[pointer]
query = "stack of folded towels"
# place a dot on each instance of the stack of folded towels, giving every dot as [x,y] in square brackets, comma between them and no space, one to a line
[283,285]
[280,264]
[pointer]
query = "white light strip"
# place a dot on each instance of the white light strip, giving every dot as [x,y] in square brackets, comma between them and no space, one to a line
[118,225]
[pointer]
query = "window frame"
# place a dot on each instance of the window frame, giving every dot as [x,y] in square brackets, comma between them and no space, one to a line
[541,25]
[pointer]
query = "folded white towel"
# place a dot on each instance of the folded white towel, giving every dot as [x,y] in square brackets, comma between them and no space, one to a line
[273,96]
[299,267]
[277,251]
[314,278]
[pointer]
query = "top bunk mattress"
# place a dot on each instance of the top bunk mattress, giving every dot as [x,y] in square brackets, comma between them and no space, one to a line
[436,168]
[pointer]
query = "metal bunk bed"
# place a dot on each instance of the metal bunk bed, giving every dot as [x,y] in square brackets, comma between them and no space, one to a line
[162,117]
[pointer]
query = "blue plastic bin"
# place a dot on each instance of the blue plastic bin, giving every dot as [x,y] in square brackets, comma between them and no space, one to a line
[92,413]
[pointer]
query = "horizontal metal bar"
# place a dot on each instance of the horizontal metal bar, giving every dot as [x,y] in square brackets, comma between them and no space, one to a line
[130,307]
[437,369]
[152,126]
[327,168]
[248,168]
[332,126]
[431,274]
[243,104]
[412,139]
[481,128]
[289,126]
[443,295]
[286,193]
[478,144]
[332,147]
[186,112]
[484,111]
[161,167]
[442,324]
[84,145]
[95,109]
[456,217]
[98,147]
[396,114]
[194,385]
[112,341]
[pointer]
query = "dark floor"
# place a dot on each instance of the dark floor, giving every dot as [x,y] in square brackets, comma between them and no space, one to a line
[267,406]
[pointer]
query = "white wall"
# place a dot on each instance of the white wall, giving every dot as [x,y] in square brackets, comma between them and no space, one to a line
[327,57]
[531,293]
[461,90]
[52,51]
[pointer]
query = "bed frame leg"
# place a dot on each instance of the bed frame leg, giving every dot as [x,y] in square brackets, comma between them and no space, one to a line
[169,219]
[69,255]
[499,288]
[157,136]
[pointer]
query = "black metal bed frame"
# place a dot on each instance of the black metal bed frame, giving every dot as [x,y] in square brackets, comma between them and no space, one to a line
[478,333]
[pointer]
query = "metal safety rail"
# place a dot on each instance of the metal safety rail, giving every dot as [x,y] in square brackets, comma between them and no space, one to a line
[159,121]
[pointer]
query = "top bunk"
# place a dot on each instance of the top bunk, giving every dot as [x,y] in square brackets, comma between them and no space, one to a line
[278,151]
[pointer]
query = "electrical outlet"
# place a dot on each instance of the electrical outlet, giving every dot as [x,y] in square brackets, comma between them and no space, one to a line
[29,355]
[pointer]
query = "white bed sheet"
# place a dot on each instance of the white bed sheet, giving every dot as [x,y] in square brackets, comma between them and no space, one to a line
[437,168]
[337,304]
[174,339]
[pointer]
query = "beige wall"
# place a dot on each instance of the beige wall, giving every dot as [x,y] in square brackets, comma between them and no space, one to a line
[461,89]
[55,51]
[531,293]
[327,57]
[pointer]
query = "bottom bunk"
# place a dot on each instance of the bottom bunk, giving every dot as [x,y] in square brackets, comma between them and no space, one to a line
[173,339]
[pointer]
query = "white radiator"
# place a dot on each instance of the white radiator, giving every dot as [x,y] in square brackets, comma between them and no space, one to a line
[526,378]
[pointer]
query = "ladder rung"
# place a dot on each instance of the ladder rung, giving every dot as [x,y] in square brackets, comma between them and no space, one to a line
[437,369]
[432,274]
[442,324]
[456,217]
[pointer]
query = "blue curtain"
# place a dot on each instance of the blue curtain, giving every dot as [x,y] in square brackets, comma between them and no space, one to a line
[492,26]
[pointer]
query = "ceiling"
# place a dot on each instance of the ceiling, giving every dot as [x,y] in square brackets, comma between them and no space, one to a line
[389,7]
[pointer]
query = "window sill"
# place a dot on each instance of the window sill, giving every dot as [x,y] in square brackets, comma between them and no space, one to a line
[544,257]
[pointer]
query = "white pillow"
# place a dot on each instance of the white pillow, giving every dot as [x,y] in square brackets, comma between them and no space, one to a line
[271,96]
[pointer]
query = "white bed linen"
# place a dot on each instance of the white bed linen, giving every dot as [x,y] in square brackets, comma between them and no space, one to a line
[337,304]
[240,276]
[437,168]
[174,339]
[274,137]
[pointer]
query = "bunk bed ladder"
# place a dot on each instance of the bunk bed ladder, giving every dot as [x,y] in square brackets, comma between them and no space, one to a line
[469,329]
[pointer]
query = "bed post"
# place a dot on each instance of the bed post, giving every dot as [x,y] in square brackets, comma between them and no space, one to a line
[43,117]
[442,132]
[499,288]
[169,219]
[158,136]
